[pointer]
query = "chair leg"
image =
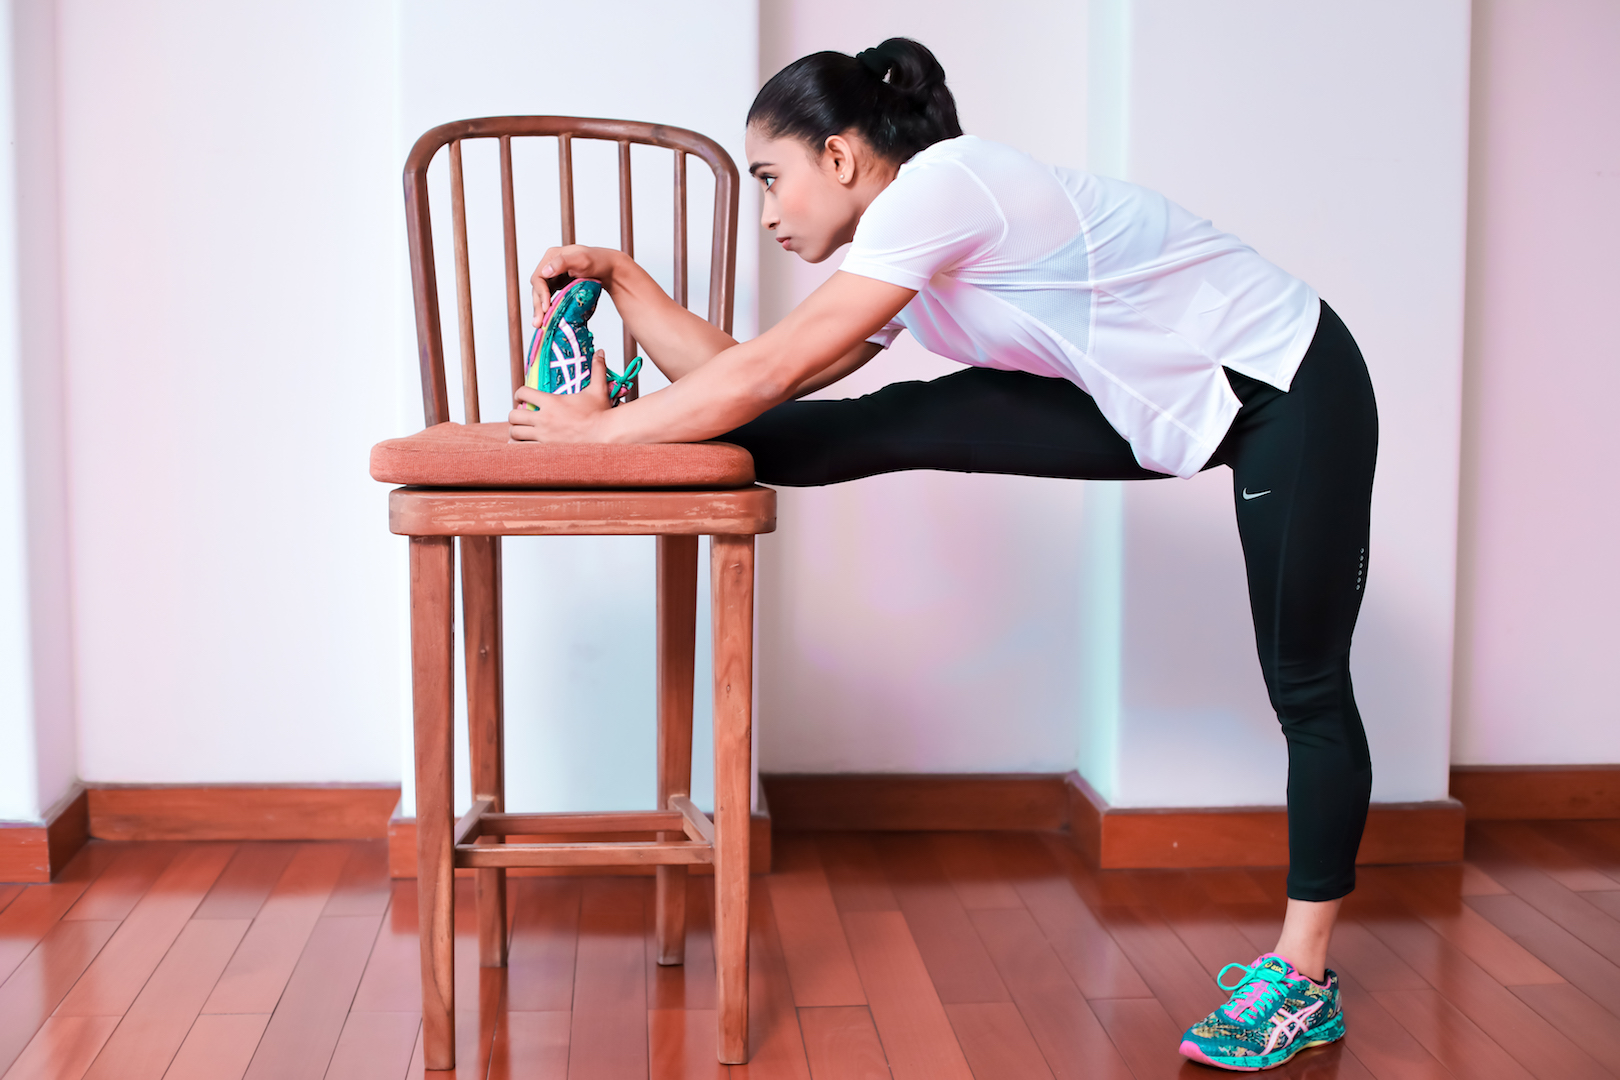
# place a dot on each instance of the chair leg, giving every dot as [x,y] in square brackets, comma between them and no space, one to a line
[432,684]
[486,722]
[732,578]
[677,634]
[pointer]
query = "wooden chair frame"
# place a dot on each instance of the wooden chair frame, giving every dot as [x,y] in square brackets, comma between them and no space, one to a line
[433,517]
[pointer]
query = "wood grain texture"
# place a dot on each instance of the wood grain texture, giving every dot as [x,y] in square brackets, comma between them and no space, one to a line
[304,1030]
[691,984]
[63,1049]
[889,801]
[731,585]
[813,943]
[43,979]
[917,1035]
[245,812]
[261,966]
[375,1046]
[32,853]
[997,1042]
[486,720]
[401,852]
[1547,792]
[156,1024]
[1428,990]
[218,1048]
[530,1046]
[608,1033]
[676,637]
[842,1043]
[1063,1025]
[241,889]
[957,963]
[439,512]
[432,689]
[776,1048]
[125,963]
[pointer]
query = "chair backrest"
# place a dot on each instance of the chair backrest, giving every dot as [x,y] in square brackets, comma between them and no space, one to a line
[565,129]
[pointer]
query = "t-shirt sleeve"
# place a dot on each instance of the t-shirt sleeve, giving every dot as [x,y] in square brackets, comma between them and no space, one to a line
[885,336]
[932,218]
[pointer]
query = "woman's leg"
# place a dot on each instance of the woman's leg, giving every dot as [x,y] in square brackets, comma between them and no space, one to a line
[1302,471]
[976,420]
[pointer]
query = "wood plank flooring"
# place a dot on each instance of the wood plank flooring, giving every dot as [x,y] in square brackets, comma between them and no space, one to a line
[980,956]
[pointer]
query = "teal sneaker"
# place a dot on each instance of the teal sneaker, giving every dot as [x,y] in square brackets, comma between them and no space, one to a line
[561,348]
[1274,1013]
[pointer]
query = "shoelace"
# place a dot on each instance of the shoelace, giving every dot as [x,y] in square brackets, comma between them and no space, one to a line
[1252,990]
[619,384]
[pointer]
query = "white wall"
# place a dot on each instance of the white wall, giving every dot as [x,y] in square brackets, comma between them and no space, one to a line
[926,622]
[1333,138]
[37,724]
[19,796]
[229,221]
[931,622]
[1539,582]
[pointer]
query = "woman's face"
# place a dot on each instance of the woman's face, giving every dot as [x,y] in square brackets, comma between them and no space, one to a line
[814,201]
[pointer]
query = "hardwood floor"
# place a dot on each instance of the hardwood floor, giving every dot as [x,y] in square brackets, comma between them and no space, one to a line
[981,956]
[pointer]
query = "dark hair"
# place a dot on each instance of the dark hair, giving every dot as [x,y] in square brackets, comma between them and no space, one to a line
[893,95]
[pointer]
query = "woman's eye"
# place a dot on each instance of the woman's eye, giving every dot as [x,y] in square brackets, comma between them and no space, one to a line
[769,180]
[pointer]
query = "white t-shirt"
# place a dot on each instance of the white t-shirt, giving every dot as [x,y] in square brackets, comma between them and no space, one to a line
[1028,267]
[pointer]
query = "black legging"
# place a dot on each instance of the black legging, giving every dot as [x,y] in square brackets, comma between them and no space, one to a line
[1302,472]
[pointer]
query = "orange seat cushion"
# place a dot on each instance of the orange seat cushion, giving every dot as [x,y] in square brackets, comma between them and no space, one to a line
[481,455]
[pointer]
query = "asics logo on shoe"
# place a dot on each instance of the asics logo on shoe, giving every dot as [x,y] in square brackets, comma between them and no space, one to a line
[1255,495]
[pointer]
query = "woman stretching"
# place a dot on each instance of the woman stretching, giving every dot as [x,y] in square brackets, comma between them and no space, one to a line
[1109,335]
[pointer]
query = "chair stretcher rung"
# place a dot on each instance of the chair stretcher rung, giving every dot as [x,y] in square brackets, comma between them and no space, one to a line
[624,853]
[548,824]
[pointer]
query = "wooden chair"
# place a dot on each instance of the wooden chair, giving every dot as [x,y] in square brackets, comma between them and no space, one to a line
[468,481]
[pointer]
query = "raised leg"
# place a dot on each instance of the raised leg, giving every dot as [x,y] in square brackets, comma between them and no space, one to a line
[677,640]
[432,684]
[732,577]
[486,722]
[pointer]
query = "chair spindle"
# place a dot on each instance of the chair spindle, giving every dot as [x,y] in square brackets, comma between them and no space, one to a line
[464,316]
[680,228]
[627,244]
[514,314]
[565,185]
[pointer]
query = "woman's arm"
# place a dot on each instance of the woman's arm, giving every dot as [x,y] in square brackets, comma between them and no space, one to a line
[675,339]
[850,362]
[822,336]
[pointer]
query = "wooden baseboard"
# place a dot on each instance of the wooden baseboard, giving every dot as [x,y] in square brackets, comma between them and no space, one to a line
[1110,837]
[402,850]
[1121,839]
[911,802]
[1537,792]
[31,853]
[242,812]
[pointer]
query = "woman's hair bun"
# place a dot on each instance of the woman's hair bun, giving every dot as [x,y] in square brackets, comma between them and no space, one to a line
[893,94]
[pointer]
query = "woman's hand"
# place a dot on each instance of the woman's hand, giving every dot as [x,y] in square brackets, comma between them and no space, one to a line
[576,260]
[564,418]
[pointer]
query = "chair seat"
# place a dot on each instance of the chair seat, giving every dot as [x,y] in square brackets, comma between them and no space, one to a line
[482,455]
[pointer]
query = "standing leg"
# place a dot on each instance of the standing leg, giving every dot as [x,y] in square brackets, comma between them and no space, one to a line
[486,721]
[731,569]
[677,640]
[1302,473]
[432,683]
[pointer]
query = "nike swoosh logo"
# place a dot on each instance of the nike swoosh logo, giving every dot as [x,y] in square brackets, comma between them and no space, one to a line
[1255,495]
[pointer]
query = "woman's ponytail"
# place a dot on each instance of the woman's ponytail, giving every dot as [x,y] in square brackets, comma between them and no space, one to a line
[894,95]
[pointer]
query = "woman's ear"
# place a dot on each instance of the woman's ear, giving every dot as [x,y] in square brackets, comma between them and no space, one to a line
[839,157]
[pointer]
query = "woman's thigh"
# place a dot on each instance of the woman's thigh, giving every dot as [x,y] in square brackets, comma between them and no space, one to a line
[976,420]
